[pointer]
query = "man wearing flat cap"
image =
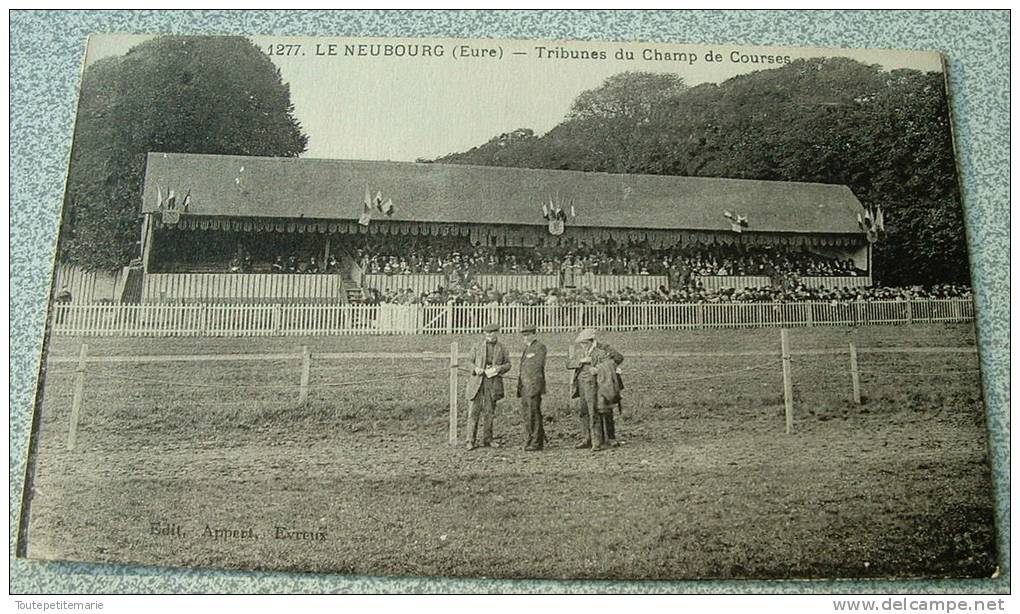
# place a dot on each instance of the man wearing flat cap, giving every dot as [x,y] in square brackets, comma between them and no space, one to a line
[531,387]
[489,361]
[597,385]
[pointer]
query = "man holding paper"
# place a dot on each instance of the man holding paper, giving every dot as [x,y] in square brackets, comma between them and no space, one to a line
[489,361]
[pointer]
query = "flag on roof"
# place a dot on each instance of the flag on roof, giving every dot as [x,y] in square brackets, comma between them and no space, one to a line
[366,209]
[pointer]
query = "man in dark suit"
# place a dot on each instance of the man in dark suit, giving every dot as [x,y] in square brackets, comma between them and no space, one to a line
[489,361]
[531,387]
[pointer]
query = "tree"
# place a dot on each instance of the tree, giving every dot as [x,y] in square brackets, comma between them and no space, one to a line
[614,123]
[178,94]
[885,134]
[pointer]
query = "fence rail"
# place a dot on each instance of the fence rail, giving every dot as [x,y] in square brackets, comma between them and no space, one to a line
[456,363]
[230,320]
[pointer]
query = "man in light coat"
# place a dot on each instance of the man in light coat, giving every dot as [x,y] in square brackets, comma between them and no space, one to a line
[489,361]
[597,386]
[531,387]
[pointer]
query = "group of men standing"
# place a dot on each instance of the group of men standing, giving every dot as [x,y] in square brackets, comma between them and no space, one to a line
[596,383]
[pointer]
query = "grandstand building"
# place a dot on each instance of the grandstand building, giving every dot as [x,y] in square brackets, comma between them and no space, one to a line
[248,229]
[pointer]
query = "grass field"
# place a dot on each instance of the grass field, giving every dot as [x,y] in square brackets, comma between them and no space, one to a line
[705,485]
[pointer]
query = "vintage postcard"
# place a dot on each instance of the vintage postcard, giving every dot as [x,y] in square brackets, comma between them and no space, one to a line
[511,309]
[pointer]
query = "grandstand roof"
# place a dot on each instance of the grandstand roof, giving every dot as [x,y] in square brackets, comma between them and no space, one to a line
[446,193]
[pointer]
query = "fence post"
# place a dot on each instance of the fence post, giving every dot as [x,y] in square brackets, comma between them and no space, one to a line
[855,375]
[787,381]
[449,318]
[79,392]
[700,319]
[811,314]
[454,384]
[910,311]
[306,369]
[276,319]
[205,319]
[121,310]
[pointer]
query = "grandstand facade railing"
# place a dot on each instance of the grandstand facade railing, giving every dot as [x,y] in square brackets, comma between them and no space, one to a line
[237,320]
[273,287]
[239,287]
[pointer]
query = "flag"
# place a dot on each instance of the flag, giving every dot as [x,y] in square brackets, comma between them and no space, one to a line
[737,222]
[159,197]
[545,211]
[187,201]
[378,201]
[869,223]
[572,212]
[879,220]
[387,207]
[366,209]
[168,208]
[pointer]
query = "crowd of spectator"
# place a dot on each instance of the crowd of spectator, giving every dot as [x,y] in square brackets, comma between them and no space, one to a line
[292,263]
[476,295]
[456,256]
[461,261]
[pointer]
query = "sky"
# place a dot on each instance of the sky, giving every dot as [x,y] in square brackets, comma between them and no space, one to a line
[404,108]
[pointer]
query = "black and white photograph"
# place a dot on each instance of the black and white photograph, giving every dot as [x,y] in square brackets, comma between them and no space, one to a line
[511,309]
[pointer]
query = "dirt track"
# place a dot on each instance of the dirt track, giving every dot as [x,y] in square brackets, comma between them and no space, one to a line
[707,485]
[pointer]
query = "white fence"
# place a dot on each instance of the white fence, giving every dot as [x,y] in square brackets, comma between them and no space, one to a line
[254,320]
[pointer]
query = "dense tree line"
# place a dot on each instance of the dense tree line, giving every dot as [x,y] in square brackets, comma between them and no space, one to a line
[885,134]
[180,94]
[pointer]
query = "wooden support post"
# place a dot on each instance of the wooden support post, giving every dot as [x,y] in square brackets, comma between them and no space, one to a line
[571,365]
[449,319]
[855,375]
[787,381]
[79,392]
[454,388]
[306,370]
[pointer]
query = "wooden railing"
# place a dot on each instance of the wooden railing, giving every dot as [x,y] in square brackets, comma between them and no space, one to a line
[241,287]
[327,288]
[739,282]
[312,319]
[417,282]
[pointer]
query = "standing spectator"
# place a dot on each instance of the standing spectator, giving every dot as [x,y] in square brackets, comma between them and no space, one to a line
[596,384]
[489,362]
[531,387]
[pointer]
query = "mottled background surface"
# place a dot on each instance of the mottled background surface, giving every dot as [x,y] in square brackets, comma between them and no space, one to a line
[46,55]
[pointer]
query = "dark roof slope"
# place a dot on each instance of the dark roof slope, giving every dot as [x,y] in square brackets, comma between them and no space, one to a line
[335,189]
